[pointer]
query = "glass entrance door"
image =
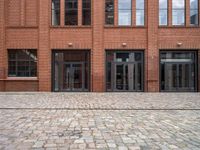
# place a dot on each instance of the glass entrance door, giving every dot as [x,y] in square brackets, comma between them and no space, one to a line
[71,71]
[124,71]
[178,74]
[73,77]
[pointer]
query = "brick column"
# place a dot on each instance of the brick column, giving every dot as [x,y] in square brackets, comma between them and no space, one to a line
[198,71]
[62,12]
[152,47]
[98,75]
[187,13]
[44,53]
[133,12]
[2,45]
[116,12]
[22,14]
[80,12]
[170,12]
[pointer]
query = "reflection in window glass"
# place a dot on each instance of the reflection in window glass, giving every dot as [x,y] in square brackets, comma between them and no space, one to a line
[140,12]
[71,12]
[194,12]
[124,8]
[86,17]
[163,12]
[178,12]
[109,12]
[55,10]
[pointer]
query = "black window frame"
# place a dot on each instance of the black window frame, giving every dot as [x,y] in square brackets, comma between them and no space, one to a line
[71,10]
[55,9]
[110,12]
[86,10]
[28,63]
[164,9]
[195,9]
[125,9]
[139,9]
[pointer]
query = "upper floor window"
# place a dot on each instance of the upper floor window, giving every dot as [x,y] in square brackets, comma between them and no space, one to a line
[86,12]
[163,9]
[140,12]
[22,63]
[71,12]
[109,12]
[124,14]
[194,12]
[178,12]
[55,11]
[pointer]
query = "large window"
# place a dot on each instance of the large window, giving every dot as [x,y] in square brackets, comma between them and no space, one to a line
[109,12]
[22,63]
[178,12]
[71,12]
[55,12]
[194,12]
[125,9]
[163,9]
[86,9]
[140,12]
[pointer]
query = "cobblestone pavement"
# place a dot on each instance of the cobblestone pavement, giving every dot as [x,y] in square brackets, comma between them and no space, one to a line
[121,121]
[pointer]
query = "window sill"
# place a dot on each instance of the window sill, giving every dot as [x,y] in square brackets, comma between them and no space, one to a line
[178,26]
[54,27]
[21,79]
[110,26]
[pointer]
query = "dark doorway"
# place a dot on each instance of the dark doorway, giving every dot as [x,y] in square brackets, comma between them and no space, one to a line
[124,71]
[71,71]
[178,71]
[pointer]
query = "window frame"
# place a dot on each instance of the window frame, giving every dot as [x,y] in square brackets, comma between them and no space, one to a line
[131,11]
[196,9]
[71,9]
[144,10]
[18,60]
[166,9]
[179,25]
[59,14]
[114,7]
[86,9]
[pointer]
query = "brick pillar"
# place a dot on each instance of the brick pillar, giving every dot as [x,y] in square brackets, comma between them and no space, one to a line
[116,12]
[22,14]
[80,12]
[152,48]
[187,13]
[62,12]
[198,71]
[98,75]
[170,12]
[2,44]
[133,12]
[44,53]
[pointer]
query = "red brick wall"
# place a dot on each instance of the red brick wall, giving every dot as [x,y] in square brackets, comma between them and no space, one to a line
[28,25]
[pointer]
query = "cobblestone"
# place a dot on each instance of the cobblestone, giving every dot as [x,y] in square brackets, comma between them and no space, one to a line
[112,126]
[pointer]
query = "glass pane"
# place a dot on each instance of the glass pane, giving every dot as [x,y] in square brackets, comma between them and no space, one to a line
[194,17]
[180,4]
[71,12]
[140,17]
[124,17]
[109,12]
[163,4]
[193,4]
[139,4]
[66,74]
[55,12]
[86,16]
[124,4]
[162,17]
[178,17]
[78,74]
[119,77]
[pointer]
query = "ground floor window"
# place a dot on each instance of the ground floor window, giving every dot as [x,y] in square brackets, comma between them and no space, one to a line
[22,63]
[71,70]
[124,71]
[178,71]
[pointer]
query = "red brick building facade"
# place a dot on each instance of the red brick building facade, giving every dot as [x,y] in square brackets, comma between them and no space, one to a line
[27,25]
